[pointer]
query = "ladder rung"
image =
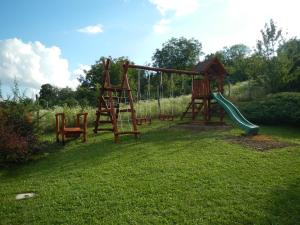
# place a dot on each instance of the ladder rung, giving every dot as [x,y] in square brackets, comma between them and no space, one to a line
[105,121]
[105,129]
[103,113]
[103,110]
[115,89]
[125,110]
[127,132]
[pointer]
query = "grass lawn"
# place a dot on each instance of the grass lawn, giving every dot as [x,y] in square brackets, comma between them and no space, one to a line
[168,176]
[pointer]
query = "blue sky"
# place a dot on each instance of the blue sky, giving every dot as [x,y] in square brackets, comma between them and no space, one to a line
[52,41]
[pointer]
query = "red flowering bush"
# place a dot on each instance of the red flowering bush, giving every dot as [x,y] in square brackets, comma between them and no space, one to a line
[17,131]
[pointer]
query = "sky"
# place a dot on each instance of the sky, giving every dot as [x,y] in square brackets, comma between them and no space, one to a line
[54,41]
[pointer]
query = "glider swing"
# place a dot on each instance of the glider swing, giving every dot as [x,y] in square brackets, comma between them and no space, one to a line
[162,115]
[145,116]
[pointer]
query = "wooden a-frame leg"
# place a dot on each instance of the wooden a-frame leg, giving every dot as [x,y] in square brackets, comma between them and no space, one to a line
[57,137]
[84,136]
[97,122]
[117,140]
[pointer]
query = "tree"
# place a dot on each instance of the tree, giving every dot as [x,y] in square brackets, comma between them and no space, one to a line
[271,39]
[289,57]
[1,97]
[66,96]
[178,53]
[16,91]
[235,60]
[48,95]
[266,49]
[92,80]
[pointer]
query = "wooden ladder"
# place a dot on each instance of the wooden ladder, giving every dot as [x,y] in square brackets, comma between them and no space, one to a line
[192,109]
[109,104]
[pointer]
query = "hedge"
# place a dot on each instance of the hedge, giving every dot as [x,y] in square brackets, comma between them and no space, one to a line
[280,108]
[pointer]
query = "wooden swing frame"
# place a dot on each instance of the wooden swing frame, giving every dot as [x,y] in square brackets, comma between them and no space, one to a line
[112,109]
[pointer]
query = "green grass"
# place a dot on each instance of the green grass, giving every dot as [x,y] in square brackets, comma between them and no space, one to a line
[168,176]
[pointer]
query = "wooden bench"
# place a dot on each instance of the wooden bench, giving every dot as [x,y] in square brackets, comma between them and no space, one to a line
[67,132]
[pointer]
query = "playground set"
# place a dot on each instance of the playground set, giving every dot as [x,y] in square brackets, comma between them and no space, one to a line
[207,93]
[115,100]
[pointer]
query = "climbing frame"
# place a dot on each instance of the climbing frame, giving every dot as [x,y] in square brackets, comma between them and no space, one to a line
[109,104]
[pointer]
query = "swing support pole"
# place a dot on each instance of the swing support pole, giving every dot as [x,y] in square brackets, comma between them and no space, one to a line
[165,70]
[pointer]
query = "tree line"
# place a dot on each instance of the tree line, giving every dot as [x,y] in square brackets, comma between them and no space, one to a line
[274,64]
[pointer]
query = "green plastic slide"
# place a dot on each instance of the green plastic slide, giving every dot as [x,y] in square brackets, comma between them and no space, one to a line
[235,114]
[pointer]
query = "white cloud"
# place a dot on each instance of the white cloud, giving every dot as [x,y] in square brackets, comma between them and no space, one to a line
[241,22]
[177,9]
[256,12]
[80,70]
[34,64]
[180,7]
[92,29]
[162,26]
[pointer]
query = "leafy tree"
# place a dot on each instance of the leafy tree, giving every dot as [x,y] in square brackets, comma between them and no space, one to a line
[92,80]
[48,95]
[267,48]
[65,93]
[1,97]
[16,91]
[271,39]
[178,53]
[289,57]
[235,60]
[70,102]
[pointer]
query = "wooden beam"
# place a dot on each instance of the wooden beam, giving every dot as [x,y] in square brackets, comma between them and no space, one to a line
[180,72]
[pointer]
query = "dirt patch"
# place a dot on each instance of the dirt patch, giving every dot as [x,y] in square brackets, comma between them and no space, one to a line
[258,142]
[201,128]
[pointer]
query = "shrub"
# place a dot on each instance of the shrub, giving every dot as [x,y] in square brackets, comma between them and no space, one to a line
[280,108]
[17,131]
[245,91]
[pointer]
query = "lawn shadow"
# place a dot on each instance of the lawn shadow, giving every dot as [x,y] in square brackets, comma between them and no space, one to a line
[101,148]
[57,157]
[285,204]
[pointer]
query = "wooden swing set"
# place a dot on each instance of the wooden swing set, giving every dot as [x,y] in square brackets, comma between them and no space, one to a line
[207,76]
[109,102]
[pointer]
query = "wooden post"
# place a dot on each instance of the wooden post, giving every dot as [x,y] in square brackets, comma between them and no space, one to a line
[57,127]
[221,89]
[63,128]
[125,85]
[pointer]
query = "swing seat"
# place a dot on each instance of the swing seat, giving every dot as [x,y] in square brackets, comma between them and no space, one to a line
[143,120]
[166,117]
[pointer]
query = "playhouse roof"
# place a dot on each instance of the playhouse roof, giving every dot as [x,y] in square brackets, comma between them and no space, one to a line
[211,67]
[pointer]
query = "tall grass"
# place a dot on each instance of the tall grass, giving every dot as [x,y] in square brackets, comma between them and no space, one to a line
[174,106]
[246,90]
[47,116]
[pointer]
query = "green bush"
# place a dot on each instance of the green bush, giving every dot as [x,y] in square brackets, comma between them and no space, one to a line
[280,108]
